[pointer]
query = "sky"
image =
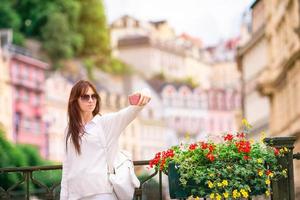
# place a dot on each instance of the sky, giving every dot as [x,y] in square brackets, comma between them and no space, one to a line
[209,20]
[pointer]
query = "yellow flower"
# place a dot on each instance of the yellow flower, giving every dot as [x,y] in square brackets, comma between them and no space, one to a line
[281,151]
[197,198]
[226,195]
[236,194]
[246,123]
[285,149]
[260,173]
[271,174]
[244,193]
[212,196]
[268,181]
[187,137]
[225,182]
[284,171]
[218,197]
[219,184]
[260,160]
[262,136]
[251,141]
[268,193]
[211,175]
[210,184]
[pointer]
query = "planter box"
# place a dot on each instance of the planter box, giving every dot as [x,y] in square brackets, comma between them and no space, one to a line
[175,188]
[177,191]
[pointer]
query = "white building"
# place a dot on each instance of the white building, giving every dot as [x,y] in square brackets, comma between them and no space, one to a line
[152,48]
[56,99]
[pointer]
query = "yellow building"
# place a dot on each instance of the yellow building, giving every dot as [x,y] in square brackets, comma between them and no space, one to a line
[5,94]
[280,79]
[252,58]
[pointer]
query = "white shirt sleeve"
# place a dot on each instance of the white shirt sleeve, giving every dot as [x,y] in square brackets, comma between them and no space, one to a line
[115,123]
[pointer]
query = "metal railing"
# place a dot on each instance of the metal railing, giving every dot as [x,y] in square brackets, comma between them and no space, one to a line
[51,193]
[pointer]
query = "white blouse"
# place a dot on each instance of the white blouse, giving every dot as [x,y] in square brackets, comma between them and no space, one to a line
[87,174]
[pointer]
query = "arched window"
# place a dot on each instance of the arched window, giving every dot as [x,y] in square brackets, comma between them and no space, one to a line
[185,96]
[168,94]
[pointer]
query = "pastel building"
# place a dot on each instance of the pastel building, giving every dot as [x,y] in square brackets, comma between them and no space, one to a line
[5,88]
[199,113]
[151,49]
[27,76]
[252,59]
[57,90]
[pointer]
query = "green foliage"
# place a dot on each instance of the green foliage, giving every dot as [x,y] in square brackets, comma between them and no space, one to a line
[65,28]
[89,65]
[10,19]
[190,81]
[115,66]
[93,28]
[8,16]
[22,155]
[56,36]
[159,76]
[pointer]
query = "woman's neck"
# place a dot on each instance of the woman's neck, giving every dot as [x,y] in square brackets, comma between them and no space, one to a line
[86,117]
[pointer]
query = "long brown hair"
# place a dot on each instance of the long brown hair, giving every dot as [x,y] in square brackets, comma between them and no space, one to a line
[75,126]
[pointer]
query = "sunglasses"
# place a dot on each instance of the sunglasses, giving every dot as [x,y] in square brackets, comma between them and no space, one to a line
[87,97]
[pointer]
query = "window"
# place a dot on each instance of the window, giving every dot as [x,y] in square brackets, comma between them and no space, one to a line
[36,100]
[37,126]
[17,94]
[25,96]
[26,124]
[25,73]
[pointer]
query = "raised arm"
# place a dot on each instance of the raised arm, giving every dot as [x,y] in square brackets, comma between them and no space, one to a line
[115,123]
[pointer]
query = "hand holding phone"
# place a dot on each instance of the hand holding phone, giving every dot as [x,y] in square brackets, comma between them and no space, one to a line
[134,98]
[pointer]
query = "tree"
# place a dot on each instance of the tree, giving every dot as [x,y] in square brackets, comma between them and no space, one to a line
[56,37]
[93,28]
[10,19]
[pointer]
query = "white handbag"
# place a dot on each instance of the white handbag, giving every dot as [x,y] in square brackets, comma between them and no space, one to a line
[123,179]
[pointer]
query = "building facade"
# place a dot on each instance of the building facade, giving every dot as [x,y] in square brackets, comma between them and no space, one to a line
[57,93]
[281,80]
[6,112]
[270,65]
[153,50]
[27,76]
[252,59]
[201,114]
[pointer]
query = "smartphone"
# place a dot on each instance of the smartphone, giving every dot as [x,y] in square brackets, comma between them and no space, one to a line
[134,99]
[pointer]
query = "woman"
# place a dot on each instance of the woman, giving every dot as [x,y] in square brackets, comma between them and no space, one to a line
[91,142]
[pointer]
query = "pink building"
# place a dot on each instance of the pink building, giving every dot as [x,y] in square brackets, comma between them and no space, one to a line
[27,77]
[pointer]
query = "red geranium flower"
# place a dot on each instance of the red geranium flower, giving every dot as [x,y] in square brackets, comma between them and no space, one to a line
[228,137]
[192,146]
[210,157]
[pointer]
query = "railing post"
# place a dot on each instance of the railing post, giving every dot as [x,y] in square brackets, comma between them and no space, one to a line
[284,189]
[27,176]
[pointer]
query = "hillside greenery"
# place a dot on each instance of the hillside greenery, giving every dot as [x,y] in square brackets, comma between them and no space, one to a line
[22,155]
[66,29]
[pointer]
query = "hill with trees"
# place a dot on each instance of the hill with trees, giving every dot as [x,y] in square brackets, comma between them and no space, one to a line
[66,30]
